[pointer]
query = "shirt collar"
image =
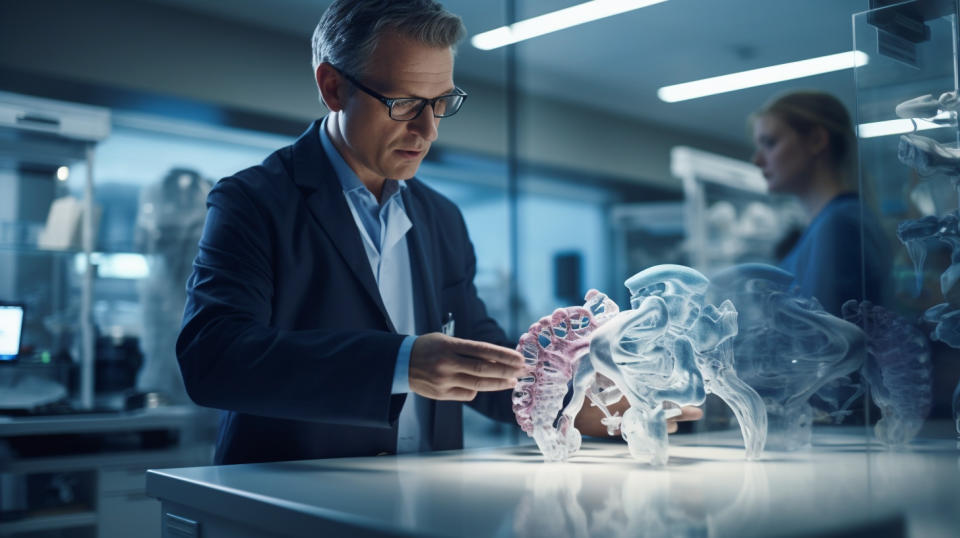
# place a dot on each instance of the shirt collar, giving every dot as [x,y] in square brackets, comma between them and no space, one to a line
[349,181]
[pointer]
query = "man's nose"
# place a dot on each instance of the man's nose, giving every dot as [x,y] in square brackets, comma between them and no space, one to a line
[425,124]
[757,159]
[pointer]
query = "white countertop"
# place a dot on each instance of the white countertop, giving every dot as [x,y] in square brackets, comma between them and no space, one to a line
[706,489]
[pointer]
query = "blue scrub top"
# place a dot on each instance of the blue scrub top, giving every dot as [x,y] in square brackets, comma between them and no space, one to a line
[827,263]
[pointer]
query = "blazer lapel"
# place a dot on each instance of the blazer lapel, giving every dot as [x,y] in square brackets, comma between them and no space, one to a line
[316,178]
[444,422]
[420,242]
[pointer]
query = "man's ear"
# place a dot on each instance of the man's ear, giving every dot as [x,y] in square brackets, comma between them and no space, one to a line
[331,85]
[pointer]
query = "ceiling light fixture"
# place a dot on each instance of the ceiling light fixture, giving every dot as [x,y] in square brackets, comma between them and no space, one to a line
[902,126]
[761,76]
[554,21]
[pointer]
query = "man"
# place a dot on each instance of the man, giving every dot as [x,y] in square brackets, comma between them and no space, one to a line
[317,267]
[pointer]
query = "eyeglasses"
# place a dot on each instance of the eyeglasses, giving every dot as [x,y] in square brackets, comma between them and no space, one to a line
[409,108]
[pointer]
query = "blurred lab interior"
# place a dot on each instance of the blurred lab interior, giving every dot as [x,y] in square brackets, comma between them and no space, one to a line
[574,163]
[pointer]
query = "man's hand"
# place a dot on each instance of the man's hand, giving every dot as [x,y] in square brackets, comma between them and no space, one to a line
[687,413]
[448,368]
[588,419]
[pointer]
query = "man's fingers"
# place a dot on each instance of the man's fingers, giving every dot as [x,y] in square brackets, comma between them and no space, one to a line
[447,368]
[482,368]
[458,394]
[483,384]
[671,427]
[458,363]
[687,413]
[487,352]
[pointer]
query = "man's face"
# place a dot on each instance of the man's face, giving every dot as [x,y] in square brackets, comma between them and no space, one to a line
[379,147]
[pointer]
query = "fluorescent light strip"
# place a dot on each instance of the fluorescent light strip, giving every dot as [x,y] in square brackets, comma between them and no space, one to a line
[901,126]
[556,20]
[761,76]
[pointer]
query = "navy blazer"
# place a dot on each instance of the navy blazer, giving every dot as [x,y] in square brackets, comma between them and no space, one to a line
[284,327]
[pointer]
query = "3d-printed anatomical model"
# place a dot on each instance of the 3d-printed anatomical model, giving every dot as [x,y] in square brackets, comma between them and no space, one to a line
[898,370]
[956,406]
[552,350]
[927,106]
[787,348]
[915,233]
[672,346]
[945,319]
[927,156]
[669,350]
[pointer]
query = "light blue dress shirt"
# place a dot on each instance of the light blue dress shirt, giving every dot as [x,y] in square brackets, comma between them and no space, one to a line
[383,227]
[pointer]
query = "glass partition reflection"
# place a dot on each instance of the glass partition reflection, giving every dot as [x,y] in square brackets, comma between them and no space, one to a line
[152,178]
[907,115]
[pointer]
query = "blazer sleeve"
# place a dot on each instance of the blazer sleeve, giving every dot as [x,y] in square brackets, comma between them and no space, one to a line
[232,358]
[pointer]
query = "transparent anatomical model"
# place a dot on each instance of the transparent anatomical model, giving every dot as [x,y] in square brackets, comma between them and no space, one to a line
[552,350]
[945,320]
[898,370]
[915,234]
[788,347]
[669,350]
[956,407]
[929,157]
[674,347]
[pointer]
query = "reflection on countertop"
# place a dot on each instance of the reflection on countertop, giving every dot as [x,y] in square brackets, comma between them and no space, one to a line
[844,484]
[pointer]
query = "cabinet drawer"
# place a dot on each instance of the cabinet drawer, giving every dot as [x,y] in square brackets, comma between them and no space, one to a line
[128,515]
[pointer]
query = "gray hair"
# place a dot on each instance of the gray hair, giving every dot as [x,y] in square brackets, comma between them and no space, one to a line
[348,31]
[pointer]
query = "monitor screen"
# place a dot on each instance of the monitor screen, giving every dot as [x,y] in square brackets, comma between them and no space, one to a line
[11,325]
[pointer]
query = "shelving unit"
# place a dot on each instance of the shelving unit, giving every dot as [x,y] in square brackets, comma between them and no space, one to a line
[100,461]
[81,473]
[37,135]
[728,214]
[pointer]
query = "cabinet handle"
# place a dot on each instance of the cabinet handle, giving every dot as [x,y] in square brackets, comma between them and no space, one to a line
[36,120]
[180,527]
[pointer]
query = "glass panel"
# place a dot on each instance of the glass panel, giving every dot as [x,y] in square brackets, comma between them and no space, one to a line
[469,165]
[908,158]
[477,185]
[152,178]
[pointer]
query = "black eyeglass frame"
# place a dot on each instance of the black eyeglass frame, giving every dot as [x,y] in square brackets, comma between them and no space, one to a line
[389,102]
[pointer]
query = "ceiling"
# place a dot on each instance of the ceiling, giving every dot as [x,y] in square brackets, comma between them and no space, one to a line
[618,63]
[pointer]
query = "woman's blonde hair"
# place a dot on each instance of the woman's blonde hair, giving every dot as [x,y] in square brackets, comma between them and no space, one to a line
[805,110]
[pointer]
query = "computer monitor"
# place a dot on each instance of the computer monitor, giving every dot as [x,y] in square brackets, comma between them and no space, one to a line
[11,329]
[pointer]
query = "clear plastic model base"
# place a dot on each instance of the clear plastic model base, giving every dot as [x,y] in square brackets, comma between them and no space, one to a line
[898,369]
[788,347]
